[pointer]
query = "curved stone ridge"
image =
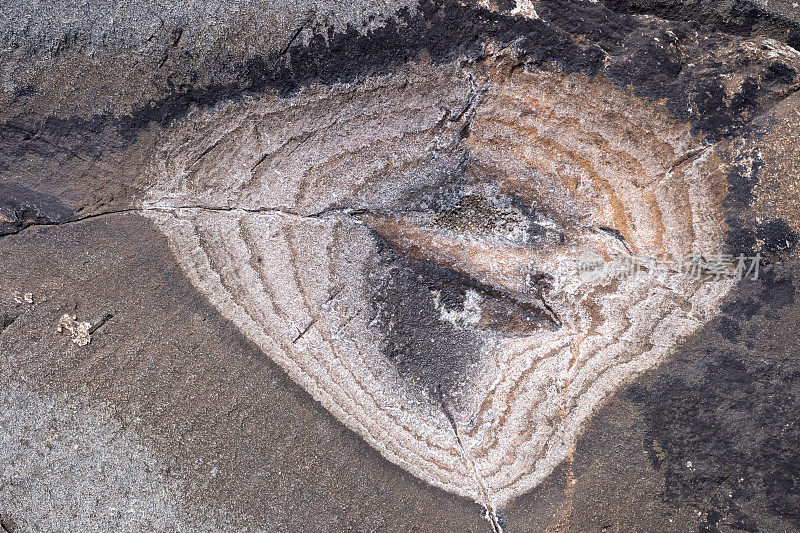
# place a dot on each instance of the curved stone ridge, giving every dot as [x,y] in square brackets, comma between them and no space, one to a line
[411,252]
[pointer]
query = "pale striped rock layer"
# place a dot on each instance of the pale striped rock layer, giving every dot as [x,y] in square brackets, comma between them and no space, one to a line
[409,251]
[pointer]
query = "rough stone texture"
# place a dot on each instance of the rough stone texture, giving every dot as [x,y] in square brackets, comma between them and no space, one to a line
[194,426]
[170,419]
[132,52]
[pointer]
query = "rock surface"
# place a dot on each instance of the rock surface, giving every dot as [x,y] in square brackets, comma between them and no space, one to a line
[317,268]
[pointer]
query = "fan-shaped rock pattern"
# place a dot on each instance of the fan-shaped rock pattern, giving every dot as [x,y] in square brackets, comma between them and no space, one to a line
[412,252]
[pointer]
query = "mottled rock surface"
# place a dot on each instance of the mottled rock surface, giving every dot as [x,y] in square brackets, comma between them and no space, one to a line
[311,266]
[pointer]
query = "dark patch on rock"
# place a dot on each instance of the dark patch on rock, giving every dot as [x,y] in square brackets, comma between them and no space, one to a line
[506,5]
[722,421]
[712,100]
[741,307]
[444,190]
[719,113]
[441,30]
[777,291]
[435,321]
[649,61]
[431,354]
[742,180]
[21,207]
[777,237]
[668,60]
[740,17]
[6,320]
[772,238]
[728,328]
[740,240]
[571,36]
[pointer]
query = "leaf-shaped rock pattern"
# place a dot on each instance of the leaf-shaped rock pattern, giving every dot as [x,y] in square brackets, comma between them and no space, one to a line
[410,249]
